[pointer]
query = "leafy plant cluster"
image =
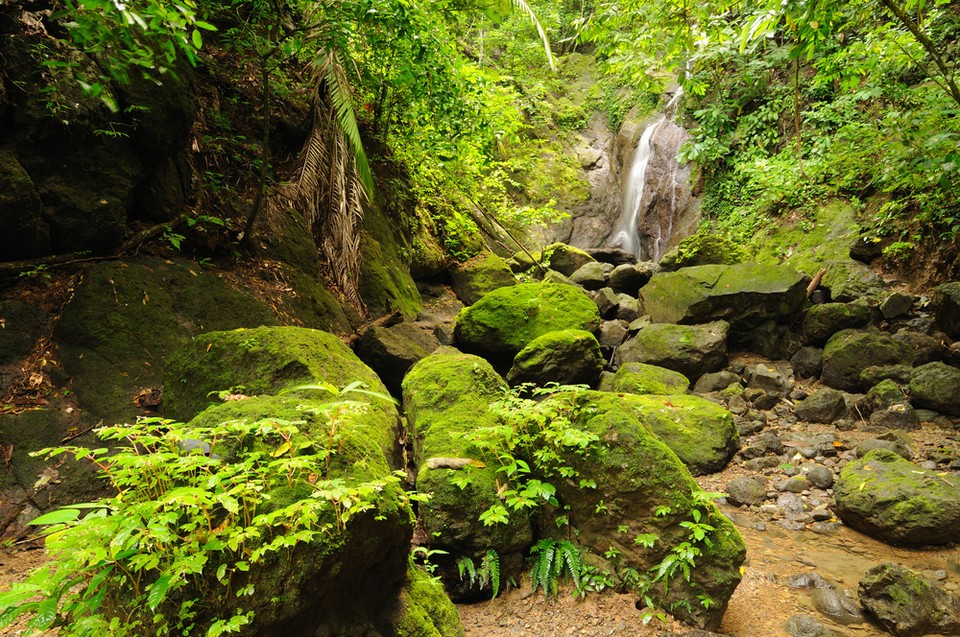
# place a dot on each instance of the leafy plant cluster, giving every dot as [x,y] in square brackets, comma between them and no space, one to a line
[172,552]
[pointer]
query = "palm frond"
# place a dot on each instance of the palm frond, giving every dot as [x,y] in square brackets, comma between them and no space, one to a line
[340,96]
[522,6]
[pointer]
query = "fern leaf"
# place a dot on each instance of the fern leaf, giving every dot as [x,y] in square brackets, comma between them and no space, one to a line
[491,565]
[573,560]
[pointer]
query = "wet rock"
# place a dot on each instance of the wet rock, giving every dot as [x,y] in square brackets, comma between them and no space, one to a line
[806,580]
[749,427]
[590,276]
[692,350]
[926,349]
[896,304]
[715,381]
[851,281]
[748,490]
[762,399]
[866,248]
[614,256]
[818,476]
[848,353]
[390,353]
[823,321]
[821,514]
[824,406]
[896,417]
[891,499]
[807,362]
[936,386]
[945,304]
[906,604]
[837,606]
[567,357]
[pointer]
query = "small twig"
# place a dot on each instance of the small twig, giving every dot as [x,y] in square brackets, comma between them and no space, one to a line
[80,433]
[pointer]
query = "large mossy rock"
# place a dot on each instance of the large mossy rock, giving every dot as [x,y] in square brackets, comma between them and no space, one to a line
[424,610]
[703,249]
[482,274]
[445,398]
[702,433]
[640,378]
[267,361]
[945,304]
[746,295]
[350,576]
[850,281]
[503,322]
[810,243]
[567,357]
[906,604]
[824,406]
[385,284]
[823,321]
[936,386]
[692,350]
[891,499]
[636,474]
[126,317]
[849,352]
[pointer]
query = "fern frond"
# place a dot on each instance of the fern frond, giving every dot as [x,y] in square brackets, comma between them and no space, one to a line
[573,560]
[491,564]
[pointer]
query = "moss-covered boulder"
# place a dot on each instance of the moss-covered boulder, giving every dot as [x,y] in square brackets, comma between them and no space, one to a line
[849,352]
[823,321]
[640,378]
[445,398]
[893,500]
[636,475]
[349,576]
[906,604]
[385,284]
[884,395]
[424,610]
[746,295]
[565,259]
[502,323]
[692,350]
[126,317]
[826,406]
[482,274]
[269,360]
[702,433]
[568,357]
[850,281]
[808,244]
[936,386]
[945,304]
[703,249]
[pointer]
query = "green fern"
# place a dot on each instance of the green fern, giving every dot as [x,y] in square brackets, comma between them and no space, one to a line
[552,560]
[487,575]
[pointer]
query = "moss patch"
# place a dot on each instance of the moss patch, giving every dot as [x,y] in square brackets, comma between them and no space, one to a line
[807,245]
[640,378]
[704,249]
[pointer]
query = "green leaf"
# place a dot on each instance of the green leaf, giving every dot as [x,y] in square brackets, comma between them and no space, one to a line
[60,516]
[196,38]
[157,591]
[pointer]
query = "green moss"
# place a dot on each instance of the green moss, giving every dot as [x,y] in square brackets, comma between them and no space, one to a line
[640,378]
[264,360]
[504,321]
[480,275]
[822,321]
[314,305]
[426,609]
[849,352]
[704,249]
[807,245]
[564,258]
[568,357]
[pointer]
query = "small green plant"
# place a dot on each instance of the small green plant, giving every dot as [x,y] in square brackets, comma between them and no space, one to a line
[552,561]
[168,554]
[488,575]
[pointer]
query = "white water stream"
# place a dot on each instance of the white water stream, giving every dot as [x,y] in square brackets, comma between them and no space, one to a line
[633,188]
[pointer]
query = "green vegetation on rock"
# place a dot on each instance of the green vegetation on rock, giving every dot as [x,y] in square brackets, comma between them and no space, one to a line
[703,249]
[640,378]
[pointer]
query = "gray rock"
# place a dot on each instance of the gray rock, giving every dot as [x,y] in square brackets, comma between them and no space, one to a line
[896,304]
[715,381]
[629,278]
[926,349]
[823,321]
[900,374]
[837,606]
[896,417]
[807,362]
[628,308]
[607,302]
[806,580]
[848,353]
[761,463]
[771,377]
[793,485]
[612,334]
[590,276]
[747,490]
[865,447]
[945,304]
[906,604]
[818,476]
[936,386]
[391,352]
[824,406]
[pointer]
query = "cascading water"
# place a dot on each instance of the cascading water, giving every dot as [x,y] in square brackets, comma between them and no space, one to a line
[647,213]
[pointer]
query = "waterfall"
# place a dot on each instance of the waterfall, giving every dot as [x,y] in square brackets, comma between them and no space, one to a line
[647,214]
